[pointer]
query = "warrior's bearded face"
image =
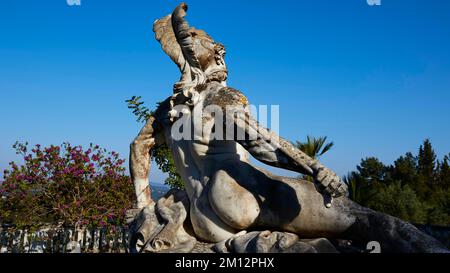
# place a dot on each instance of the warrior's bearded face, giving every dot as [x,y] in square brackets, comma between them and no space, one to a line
[211,56]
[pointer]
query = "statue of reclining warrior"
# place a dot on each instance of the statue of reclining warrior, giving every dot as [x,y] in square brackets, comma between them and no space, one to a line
[226,195]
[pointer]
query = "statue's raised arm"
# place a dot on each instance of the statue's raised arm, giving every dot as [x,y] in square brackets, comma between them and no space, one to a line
[267,146]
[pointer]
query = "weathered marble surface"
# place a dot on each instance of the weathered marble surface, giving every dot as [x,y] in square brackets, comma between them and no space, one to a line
[226,196]
[161,229]
[165,227]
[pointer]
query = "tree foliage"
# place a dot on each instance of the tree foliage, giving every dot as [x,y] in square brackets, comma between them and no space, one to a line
[65,184]
[314,147]
[163,158]
[141,112]
[414,188]
[427,162]
[400,201]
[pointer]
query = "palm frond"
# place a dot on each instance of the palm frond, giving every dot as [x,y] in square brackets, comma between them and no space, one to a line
[314,147]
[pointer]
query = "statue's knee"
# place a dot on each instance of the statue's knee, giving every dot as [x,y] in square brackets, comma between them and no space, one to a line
[235,205]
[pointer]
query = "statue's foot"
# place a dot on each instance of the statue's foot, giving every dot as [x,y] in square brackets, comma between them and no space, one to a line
[273,242]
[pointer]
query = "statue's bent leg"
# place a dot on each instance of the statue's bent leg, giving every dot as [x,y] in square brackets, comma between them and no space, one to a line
[232,203]
[140,163]
[245,197]
[346,219]
[393,234]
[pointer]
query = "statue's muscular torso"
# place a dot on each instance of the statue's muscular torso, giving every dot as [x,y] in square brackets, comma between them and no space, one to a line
[199,161]
[227,194]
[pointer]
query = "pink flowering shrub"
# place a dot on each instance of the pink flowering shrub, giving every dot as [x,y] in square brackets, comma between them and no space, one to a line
[65,184]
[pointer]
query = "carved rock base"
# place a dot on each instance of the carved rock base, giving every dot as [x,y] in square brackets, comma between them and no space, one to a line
[165,228]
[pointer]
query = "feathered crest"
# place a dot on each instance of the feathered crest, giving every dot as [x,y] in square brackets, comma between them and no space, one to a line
[165,35]
[185,45]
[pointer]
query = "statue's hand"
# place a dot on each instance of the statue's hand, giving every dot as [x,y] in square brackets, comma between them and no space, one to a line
[328,182]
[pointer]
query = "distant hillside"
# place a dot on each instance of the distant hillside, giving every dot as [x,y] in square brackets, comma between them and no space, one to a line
[158,191]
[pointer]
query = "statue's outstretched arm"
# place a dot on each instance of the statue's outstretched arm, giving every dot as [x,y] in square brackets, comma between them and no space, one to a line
[140,160]
[269,148]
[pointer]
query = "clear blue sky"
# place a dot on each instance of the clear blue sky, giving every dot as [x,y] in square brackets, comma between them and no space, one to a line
[375,80]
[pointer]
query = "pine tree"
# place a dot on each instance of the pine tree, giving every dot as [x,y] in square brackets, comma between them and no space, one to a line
[372,169]
[416,189]
[366,181]
[444,173]
[427,162]
[405,170]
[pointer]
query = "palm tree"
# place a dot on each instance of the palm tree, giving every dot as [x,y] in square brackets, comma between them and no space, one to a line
[314,147]
[354,192]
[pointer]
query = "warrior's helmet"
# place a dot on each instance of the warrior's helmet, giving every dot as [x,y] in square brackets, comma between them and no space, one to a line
[198,57]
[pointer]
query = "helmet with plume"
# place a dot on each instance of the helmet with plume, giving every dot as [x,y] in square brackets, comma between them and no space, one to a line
[198,57]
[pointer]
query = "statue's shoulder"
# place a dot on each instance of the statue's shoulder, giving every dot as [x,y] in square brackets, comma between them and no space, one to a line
[224,96]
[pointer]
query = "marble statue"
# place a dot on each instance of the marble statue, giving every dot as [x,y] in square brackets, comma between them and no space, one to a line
[228,204]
